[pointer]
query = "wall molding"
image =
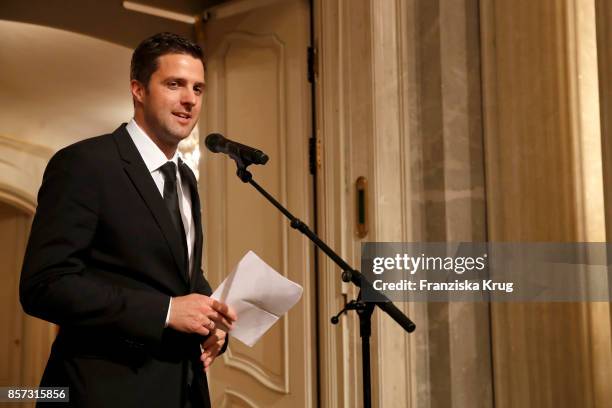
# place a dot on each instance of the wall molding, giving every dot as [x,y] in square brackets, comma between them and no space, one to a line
[25,146]
[232,395]
[22,165]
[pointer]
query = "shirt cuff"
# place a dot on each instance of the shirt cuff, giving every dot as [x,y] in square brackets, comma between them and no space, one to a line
[168,315]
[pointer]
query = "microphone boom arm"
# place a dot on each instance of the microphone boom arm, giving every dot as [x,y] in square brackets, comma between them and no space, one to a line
[364,309]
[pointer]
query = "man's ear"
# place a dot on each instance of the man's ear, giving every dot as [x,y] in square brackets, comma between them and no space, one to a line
[138,90]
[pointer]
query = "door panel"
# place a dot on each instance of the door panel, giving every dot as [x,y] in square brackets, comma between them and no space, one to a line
[25,341]
[258,94]
[13,225]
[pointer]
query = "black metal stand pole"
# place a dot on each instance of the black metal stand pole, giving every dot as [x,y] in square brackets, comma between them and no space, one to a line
[365,331]
[363,309]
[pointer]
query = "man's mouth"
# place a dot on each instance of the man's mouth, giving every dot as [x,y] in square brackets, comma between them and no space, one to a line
[182,115]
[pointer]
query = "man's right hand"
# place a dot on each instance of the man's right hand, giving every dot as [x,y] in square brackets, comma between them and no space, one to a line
[200,314]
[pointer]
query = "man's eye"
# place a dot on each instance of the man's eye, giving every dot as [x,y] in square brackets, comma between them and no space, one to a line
[198,91]
[172,84]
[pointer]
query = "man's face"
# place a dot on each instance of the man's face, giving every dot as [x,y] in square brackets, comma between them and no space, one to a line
[170,105]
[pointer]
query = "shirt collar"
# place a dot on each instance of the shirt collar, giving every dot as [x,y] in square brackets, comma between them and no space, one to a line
[152,155]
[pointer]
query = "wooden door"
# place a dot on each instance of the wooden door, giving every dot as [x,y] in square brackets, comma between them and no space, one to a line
[257,92]
[25,341]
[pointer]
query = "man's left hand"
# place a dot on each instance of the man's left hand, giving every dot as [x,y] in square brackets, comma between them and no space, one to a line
[211,347]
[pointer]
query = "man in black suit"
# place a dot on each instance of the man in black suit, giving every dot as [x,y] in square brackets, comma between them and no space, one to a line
[115,250]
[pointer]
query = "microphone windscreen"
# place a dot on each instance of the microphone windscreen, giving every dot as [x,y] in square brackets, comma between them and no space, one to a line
[214,141]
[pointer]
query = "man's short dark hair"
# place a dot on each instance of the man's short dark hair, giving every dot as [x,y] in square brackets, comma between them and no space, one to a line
[144,58]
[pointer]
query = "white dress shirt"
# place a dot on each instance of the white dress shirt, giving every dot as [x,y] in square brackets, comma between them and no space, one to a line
[154,158]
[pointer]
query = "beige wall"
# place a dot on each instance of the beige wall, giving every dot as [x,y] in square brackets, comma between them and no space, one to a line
[400,103]
[545,183]
[472,120]
[58,87]
[603,13]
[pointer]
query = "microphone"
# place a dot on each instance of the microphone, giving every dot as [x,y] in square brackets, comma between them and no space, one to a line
[217,143]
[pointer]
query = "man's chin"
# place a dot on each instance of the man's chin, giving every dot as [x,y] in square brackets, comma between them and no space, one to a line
[180,134]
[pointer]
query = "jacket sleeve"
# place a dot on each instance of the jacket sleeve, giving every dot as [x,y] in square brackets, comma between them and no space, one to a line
[56,284]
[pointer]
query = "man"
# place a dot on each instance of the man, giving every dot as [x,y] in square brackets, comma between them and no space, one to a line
[116,246]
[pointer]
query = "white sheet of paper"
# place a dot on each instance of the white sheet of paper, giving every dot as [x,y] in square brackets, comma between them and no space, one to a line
[259,295]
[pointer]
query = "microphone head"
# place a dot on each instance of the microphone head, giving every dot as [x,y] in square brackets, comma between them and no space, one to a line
[260,157]
[214,141]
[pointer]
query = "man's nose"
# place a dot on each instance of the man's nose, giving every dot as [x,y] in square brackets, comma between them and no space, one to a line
[188,97]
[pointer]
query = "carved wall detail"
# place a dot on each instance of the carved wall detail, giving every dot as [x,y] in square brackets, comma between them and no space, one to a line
[232,396]
[21,168]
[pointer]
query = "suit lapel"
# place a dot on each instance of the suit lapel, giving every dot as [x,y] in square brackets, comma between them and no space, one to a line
[143,182]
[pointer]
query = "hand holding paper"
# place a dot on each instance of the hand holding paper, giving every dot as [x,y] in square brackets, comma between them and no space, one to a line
[259,295]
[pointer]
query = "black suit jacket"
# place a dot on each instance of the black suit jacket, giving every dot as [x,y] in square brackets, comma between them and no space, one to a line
[102,261]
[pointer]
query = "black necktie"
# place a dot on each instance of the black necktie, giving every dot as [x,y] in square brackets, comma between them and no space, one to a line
[172,202]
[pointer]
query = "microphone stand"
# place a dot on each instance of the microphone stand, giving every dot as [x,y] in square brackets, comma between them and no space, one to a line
[364,309]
